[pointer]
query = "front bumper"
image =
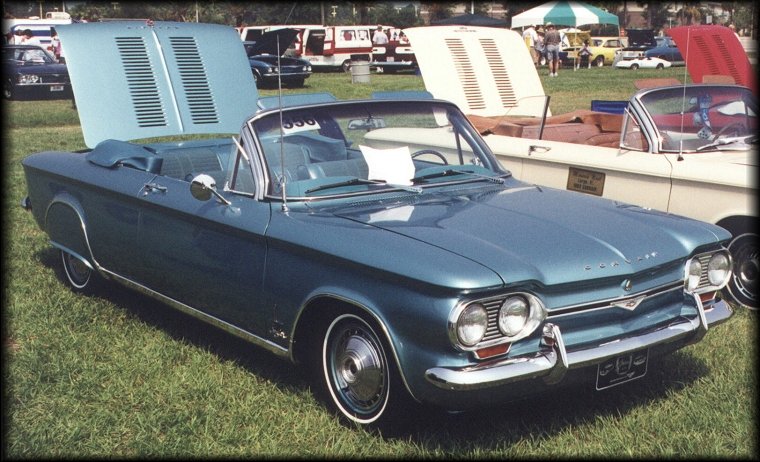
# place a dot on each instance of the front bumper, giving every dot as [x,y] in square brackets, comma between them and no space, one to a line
[554,360]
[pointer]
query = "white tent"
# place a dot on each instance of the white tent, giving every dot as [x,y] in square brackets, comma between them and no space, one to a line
[564,13]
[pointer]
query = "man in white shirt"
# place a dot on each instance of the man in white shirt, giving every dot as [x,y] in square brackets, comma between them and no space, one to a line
[379,37]
[529,37]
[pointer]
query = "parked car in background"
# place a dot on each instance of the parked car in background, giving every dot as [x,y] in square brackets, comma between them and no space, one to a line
[603,50]
[333,235]
[643,63]
[690,150]
[268,61]
[666,49]
[31,72]
[639,41]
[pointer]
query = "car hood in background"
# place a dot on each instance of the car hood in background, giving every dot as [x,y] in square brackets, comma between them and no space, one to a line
[267,44]
[134,80]
[714,51]
[638,38]
[529,233]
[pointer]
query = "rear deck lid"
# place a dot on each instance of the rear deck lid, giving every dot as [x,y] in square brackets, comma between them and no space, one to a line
[486,71]
[135,80]
[714,51]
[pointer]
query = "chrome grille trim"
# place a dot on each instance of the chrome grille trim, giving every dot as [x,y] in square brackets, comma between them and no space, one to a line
[610,303]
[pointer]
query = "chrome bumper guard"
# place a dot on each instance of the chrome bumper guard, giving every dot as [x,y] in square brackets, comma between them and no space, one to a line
[553,361]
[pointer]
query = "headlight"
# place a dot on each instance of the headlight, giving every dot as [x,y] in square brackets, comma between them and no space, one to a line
[719,269]
[472,324]
[26,79]
[513,315]
[307,68]
[693,274]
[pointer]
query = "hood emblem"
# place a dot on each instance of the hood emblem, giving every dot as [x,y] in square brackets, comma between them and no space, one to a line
[629,303]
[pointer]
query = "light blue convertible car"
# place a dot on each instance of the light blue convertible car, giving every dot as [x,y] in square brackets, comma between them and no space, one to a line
[397,274]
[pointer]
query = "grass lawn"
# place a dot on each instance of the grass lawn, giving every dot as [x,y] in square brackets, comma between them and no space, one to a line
[120,375]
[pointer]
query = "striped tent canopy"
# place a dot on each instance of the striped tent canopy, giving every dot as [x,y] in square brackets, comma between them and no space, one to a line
[564,13]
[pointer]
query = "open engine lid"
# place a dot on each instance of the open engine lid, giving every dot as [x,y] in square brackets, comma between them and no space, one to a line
[135,80]
[713,51]
[486,71]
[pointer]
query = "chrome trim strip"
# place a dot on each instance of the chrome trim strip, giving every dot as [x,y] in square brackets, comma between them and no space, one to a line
[550,363]
[224,325]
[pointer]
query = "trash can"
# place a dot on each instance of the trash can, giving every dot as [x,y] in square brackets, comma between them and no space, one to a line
[360,72]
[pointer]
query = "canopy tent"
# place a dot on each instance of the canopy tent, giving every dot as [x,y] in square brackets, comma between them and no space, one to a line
[564,13]
[470,20]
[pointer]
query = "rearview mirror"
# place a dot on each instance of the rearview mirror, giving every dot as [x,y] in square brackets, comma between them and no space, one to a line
[366,124]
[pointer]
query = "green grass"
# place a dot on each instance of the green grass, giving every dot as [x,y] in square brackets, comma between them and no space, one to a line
[121,375]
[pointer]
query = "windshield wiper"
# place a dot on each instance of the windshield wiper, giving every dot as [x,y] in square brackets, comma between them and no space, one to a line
[355,181]
[745,140]
[452,172]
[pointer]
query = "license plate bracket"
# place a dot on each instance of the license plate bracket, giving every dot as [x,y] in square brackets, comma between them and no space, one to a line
[622,369]
[56,88]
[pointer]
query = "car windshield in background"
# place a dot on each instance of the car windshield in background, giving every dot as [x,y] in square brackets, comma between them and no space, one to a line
[696,118]
[369,147]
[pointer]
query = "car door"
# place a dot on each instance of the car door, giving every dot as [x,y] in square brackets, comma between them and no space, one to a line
[207,255]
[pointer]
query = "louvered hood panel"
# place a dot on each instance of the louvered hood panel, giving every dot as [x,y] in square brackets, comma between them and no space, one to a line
[486,71]
[135,80]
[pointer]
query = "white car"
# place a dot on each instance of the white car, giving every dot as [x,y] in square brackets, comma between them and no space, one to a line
[689,150]
[643,63]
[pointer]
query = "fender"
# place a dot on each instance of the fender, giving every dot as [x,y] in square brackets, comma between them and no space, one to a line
[65,224]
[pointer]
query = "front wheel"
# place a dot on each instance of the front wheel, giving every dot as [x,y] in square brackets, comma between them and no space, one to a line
[599,61]
[346,66]
[359,375]
[8,89]
[634,66]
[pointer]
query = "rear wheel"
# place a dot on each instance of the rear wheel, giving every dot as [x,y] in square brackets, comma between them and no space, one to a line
[743,283]
[599,61]
[346,66]
[8,89]
[81,278]
[634,66]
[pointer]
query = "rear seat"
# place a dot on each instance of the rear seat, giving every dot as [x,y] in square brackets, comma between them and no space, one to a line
[184,163]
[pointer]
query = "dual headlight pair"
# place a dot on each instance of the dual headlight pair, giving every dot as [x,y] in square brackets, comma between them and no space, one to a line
[492,321]
[707,272]
[28,79]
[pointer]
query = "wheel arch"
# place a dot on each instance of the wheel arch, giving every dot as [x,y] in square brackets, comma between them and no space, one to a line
[65,224]
[322,309]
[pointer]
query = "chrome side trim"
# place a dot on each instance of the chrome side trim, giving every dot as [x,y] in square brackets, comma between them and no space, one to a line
[551,362]
[224,325]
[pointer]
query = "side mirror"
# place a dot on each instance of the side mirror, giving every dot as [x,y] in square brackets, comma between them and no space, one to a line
[203,186]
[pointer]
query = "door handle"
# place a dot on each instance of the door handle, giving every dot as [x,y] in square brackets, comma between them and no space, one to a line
[153,187]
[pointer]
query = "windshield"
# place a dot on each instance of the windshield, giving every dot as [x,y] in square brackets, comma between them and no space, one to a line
[367,147]
[691,118]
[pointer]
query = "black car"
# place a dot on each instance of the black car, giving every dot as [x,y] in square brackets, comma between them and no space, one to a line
[30,72]
[268,60]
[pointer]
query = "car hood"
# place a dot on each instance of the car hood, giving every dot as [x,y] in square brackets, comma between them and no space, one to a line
[527,233]
[267,44]
[274,60]
[638,38]
[42,69]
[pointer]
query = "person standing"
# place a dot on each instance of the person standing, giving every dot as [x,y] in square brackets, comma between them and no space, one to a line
[540,48]
[552,41]
[529,37]
[379,38]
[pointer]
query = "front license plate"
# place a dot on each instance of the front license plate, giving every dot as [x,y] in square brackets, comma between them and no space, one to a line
[56,88]
[621,369]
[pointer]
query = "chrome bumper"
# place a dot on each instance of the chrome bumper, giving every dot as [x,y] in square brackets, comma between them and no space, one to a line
[553,361]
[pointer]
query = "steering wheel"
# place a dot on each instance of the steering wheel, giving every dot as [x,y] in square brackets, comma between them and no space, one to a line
[737,128]
[433,152]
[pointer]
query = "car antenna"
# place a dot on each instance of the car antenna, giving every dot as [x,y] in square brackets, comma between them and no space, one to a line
[683,97]
[282,135]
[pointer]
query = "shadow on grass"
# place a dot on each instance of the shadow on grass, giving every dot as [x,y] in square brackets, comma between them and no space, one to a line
[500,426]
